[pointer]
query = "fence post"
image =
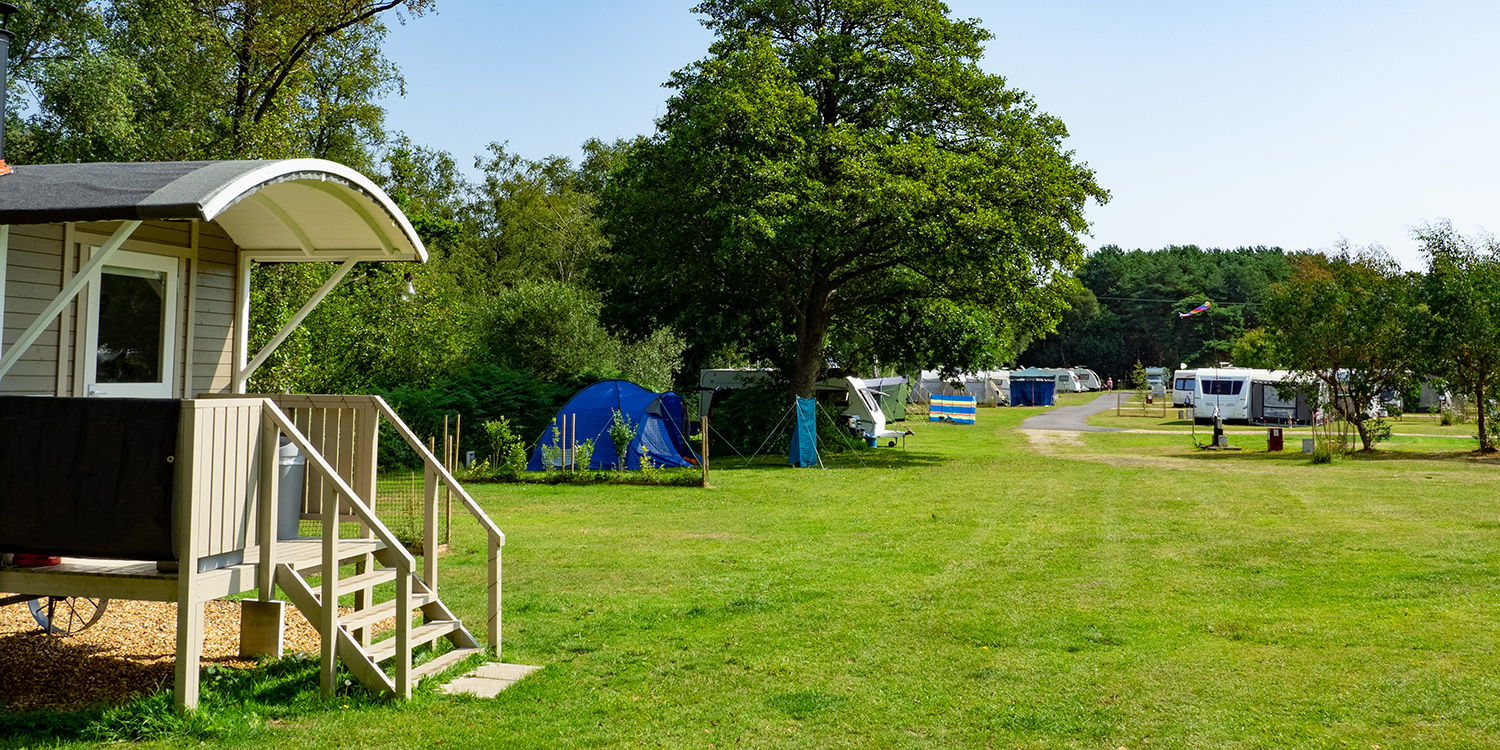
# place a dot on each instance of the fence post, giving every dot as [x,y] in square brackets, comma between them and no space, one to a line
[704,432]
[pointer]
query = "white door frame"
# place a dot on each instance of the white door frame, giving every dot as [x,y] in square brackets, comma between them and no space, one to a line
[167,265]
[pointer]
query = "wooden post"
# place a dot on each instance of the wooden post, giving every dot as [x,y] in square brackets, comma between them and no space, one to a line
[704,457]
[270,497]
[573,442]
[329,621]
[448,493]
[448,466]
[189,609]
[493,626]
[1117,404]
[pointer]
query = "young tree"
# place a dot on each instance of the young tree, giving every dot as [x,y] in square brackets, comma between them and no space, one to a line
[1343,322]
[833,157]
[1461,320]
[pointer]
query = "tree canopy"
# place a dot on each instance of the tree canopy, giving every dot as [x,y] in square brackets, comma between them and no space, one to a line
[1343,323]
[1460,327]
[835,157]
[1138,295]
[165,80]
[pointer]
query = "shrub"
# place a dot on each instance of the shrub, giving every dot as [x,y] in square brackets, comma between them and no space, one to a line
[501,438]
[1321,453]
[481,393]
[621,433]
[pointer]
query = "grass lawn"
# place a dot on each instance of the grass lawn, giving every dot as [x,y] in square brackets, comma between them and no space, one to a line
[981,590]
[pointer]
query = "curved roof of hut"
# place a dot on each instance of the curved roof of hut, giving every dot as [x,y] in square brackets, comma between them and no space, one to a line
[302,209]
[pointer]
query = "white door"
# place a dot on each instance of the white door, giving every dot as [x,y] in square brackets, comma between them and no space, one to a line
[132,328]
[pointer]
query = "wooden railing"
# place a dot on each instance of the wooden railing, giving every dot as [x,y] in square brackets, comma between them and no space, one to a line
[225,460]
[234,484]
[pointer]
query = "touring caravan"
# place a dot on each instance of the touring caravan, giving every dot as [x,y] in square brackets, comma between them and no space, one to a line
[1184,383]
[1067,382]
[1226,390]
[1088,378]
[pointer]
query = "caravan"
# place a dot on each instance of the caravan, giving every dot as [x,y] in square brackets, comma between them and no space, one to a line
[1088,378]
[1066,381]
[1225,391]
[1184,384]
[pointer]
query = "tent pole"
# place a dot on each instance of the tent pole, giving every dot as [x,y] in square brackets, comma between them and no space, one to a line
[704,433]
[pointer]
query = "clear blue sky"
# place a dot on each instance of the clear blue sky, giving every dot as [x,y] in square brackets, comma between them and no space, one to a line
[1218,124]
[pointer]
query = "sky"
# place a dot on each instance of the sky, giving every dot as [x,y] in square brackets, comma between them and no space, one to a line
[1287,124]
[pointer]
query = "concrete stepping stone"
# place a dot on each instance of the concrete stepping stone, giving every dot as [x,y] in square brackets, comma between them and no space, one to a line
[487,680]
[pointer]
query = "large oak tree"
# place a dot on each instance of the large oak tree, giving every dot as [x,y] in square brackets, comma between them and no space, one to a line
[833,157]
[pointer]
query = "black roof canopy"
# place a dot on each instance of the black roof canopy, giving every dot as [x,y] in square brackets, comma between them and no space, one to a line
[311,206]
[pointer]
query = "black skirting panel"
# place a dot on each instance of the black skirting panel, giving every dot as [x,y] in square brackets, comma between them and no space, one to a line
[88,477]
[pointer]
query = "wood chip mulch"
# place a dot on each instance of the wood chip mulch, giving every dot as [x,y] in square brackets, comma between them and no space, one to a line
[131,650]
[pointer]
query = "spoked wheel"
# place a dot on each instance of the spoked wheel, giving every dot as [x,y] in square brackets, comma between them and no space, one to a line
[67,615]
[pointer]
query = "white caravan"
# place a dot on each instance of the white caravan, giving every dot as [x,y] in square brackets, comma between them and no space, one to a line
[1088,378]
[1227,390]
[1184,387]
[1067,382]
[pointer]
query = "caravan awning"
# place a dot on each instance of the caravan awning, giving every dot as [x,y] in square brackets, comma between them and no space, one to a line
[289,209]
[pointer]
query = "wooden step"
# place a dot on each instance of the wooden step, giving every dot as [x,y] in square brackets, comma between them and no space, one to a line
[372,615]
[305,554]
[441,663]
[419,635]
[365,580]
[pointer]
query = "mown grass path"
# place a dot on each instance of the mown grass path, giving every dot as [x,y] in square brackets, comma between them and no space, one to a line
[985,590]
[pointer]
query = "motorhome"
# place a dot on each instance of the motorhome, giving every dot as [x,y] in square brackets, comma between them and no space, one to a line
[1184,384]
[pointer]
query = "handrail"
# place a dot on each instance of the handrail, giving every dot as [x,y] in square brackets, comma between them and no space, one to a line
[356,503]
[411,439]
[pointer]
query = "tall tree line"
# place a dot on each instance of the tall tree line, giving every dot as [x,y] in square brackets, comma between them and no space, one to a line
[1125,308]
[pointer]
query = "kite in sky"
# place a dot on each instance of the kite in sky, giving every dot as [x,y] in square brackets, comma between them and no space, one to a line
[1196,310]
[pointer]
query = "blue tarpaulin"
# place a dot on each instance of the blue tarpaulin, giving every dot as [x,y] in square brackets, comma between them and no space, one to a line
[1032,387]
[804,451]
[658,418]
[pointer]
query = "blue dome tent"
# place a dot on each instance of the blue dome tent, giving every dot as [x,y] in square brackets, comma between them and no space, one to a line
[658,418]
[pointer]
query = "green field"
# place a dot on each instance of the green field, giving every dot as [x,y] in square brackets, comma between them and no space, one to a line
[981,590]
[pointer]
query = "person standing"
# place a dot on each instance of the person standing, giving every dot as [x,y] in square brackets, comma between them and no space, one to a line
[1109,385]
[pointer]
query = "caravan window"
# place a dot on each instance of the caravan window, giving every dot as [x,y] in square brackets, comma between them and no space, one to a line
[1183,384]
[1222,387]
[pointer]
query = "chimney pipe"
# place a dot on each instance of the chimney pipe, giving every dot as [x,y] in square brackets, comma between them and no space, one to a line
[5,36]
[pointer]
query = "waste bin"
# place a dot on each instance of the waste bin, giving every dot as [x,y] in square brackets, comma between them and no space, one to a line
[291,483]
[1273,439]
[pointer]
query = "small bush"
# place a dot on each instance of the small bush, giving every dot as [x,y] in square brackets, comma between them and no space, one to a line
[1322,454]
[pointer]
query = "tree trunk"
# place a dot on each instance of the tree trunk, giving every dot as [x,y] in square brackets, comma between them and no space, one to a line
[1364,434]
[1484,437]
[812,334]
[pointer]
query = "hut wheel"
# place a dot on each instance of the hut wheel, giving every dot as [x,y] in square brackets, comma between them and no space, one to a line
[66,615]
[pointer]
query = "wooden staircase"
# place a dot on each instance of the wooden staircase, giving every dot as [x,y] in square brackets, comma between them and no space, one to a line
[338,436]
[354,630]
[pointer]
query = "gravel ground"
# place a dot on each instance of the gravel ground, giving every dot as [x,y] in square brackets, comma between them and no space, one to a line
[130,650]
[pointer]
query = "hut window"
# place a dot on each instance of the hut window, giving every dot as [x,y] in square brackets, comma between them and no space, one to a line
[132,308]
